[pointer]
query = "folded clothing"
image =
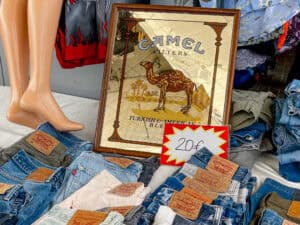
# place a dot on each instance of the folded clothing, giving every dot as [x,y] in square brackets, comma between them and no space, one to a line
[41,146]
[132,214]
[48,146]
[104,190]
[89,164]
[61,216]
[208,190]
[26,202]
[248,107]
[22,167]
[283,207]
[248,138]
[73,144]
[286,134]
[270,217]
[266,188]
[150,165]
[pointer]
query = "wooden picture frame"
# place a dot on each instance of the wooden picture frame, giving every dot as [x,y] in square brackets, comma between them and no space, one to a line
[164,63]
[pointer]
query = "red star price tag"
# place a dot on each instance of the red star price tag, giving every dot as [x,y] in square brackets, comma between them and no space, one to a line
[180,142]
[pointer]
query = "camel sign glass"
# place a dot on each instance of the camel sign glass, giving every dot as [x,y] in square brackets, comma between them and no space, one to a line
[164,64]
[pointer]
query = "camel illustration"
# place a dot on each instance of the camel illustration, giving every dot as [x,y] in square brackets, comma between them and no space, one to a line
[169,81]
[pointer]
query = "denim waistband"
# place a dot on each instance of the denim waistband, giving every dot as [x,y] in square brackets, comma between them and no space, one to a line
[36,149]
[248,135]
[202,158]
[88,164]
[19,167]
[73,144]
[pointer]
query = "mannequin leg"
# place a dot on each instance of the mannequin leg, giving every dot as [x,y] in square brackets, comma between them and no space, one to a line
[43,17]
[14,35]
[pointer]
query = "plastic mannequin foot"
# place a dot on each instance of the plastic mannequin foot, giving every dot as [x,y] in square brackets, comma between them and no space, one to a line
[44,104]
[18,115]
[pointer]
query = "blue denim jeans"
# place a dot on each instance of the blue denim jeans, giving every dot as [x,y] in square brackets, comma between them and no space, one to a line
[231,210]
[73,144]
[28,201]
[291,111]
[284,141]
[292,88]
[288,153]
[267,187]
[19,167]
[290,171]
[277,108]
[202,157]
[248,138]
[269,217]
[210,214]
[87,165]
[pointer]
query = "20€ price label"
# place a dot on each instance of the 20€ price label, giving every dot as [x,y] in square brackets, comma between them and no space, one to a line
[180,142]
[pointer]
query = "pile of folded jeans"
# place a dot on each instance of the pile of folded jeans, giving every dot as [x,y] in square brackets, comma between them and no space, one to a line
[49,168]
[286,133]
[273,203]
[207,190]
[251,119]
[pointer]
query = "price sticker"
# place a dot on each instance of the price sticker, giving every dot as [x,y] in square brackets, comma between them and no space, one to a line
[180,142]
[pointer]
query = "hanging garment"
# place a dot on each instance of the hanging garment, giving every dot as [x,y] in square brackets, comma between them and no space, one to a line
[81,40]
[293,35]
[259,18]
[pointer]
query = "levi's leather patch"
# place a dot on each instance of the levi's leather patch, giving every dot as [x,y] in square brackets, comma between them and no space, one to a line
[122,162]
[124,210]
[213,180]
[199,187]
[4,188]
[195,194]
[287,222]
[40,175]
[42,142]
[294,210]
[125,190]
[82,217]
[223,166]
[185,205]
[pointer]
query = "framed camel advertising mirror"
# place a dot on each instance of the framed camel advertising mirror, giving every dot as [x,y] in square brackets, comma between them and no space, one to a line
[164,64]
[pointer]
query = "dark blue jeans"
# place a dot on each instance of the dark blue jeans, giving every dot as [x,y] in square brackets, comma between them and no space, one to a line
[248,138]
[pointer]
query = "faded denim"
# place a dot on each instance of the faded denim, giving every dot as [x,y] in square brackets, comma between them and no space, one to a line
[88,165]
